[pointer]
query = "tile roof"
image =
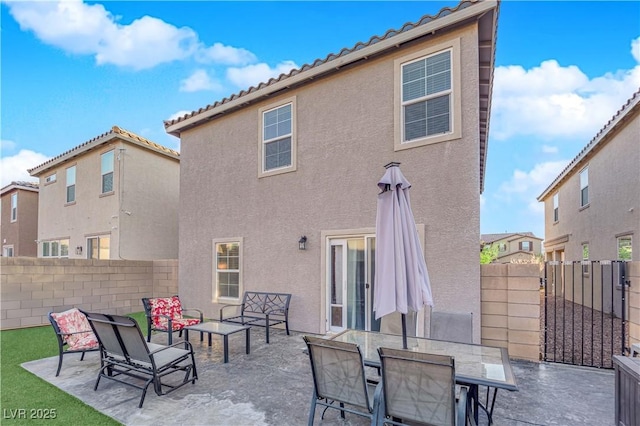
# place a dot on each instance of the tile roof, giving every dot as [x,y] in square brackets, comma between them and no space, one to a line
[490,238]
[19,184]
[598,140]
[115,132]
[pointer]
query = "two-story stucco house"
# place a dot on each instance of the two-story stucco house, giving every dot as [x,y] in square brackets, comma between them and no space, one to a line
[19,222]
[516,246]
[113,197]
[592,209]
[301,156]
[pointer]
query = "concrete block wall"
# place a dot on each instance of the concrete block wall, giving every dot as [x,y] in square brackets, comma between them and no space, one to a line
[31,287]
[633,272]
[510,306]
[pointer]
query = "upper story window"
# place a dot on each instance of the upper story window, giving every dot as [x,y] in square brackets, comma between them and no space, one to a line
[526,246]
[71,184]
[555,208]
[106,170]
[228,283]
[50,179]
[278,139]
[502,247]
[428,108]
[584,187]
[14,207]
[624,248]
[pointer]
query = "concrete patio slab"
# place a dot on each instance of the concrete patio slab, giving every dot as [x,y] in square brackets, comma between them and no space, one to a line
[273,386]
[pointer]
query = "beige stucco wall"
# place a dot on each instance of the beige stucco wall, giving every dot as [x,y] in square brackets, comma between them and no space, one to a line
[139,215]
[22,233]
[614,201]
[345,135]
[31,287]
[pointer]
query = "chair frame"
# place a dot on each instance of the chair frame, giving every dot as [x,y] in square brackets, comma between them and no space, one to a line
[124,352]
[327,401]
[461,410]
[146,302]
[62,342]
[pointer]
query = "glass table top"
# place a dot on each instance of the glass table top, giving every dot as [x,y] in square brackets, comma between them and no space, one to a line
[216,327]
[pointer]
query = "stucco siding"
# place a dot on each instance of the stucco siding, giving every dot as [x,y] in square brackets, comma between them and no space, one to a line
[345,135]
[22,233]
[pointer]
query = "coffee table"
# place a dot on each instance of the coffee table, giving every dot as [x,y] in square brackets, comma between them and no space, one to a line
[221,329]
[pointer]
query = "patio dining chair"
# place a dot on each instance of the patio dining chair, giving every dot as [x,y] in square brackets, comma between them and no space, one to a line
[73,333]
[339,378]
[420,387]
[125,354]
[166,314]
[451,326]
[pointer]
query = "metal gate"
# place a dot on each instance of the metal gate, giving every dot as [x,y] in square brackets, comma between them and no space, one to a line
[585,312]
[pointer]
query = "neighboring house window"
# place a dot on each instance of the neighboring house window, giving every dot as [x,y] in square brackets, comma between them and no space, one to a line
[7,251]
[98,247]
[71,184]
[428,106]
[278,138]
[106,166]
[624,248]
[55,248]
[502,247]
[585,258]
[50,179]
[227,268]
[555,208]
[526,245]
[584,187]
[14,207]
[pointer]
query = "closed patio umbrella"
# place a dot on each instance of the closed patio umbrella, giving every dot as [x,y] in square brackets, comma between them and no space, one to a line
[401,278]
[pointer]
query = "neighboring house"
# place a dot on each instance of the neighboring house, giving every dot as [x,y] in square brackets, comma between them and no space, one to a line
[19,222]
[299,158]
[115,196]
[514,246]
[592,209]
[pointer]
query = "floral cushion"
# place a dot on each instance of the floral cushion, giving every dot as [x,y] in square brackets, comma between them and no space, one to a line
[75,329]
[169,307]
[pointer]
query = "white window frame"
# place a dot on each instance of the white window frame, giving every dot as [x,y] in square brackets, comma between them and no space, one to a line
[618,240]
[50,179]
[14,206]
[7,251]
[71,183]
[455,93]
[584,185]
[99,238]
[216,296]
[585,258]
[61,248]
[529,245]
[109,170]
[556,210]
[262,142]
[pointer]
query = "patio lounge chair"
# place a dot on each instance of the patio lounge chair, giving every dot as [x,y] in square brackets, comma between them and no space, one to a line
[166,314]
[420,387]
[339,377]
[124,352]
[73,333]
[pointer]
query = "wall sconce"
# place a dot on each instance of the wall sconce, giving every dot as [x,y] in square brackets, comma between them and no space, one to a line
[79,250]
[302,243]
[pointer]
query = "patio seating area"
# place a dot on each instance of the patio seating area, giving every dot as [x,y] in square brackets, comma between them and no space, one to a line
[273,385]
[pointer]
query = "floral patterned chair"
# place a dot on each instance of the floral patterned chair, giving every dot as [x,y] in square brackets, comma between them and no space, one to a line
[74,334]
[165,314]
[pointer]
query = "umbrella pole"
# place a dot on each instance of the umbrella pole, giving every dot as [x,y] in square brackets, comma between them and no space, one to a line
[404,331]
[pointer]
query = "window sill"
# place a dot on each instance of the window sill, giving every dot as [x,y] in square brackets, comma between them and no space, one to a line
[275,172]
[72,203]
[107,194]
[586,206]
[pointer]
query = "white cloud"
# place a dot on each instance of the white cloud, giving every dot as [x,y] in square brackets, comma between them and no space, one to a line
[635,49]
[547,149]
[526,186]
[252,75]
[14,168]
[226,55]
[554,101]
[199,80]
[7,145]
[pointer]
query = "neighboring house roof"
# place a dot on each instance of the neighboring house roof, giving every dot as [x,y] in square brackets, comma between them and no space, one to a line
[465,11]
[491,238]
[602,138]
[27,186]
[115,133]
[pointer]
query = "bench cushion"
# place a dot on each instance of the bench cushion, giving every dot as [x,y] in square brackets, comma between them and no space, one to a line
[76,330]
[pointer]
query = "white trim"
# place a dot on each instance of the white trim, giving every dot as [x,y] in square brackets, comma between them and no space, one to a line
[214,281]
[262,142]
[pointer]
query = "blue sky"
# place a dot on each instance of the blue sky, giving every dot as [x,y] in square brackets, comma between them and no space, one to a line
[72,70]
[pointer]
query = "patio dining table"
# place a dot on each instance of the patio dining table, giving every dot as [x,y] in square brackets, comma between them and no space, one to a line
[475,365]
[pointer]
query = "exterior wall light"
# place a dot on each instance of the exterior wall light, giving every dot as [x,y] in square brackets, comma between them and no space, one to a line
[302,243]
[79,250]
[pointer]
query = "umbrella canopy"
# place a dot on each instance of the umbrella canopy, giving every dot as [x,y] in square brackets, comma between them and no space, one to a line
[401,278]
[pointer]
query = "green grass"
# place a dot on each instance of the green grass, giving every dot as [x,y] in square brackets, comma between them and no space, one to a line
[21,390]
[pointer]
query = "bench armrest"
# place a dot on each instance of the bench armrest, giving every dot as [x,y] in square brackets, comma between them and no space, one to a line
[200,314]
[225,307]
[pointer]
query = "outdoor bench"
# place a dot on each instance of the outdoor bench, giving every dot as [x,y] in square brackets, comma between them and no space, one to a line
[262,309]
